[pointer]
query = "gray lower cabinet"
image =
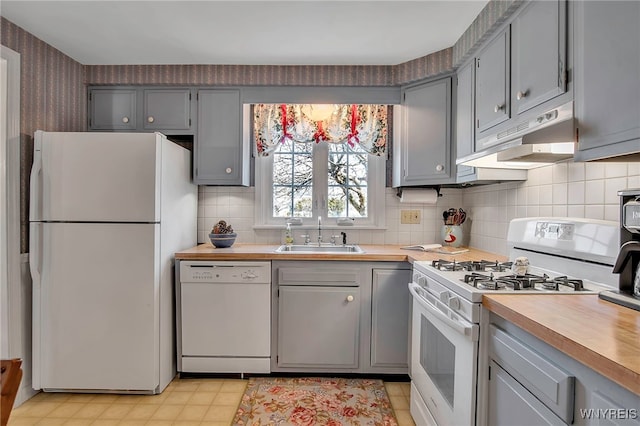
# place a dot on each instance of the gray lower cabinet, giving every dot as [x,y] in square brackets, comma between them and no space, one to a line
[423,130]
[340,317]
[510,403]
[221,149]
[607,96]
[318,326]
[390,303]
[533,383]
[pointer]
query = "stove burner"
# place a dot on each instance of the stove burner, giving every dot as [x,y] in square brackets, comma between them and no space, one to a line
[481,265]
[569,282]
[526,281]
[482,281]
[521,282]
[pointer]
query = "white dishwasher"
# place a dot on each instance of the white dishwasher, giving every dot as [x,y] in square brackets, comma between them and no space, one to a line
[224,317]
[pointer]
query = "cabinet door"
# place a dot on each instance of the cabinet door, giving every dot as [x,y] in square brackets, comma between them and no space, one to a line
[112,109]
[510,403]
[219,146]
[390,318]
[318,326]
[492,83]
[465,114]
[167,109]
[426,136]
[538,38]
[607,84]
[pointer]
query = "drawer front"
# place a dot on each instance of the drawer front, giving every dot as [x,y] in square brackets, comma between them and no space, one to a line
[318,276]
[553,386]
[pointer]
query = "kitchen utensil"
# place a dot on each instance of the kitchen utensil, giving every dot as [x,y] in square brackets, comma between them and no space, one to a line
[462,216]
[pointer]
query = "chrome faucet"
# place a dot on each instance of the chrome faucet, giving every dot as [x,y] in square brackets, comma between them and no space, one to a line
[319,230]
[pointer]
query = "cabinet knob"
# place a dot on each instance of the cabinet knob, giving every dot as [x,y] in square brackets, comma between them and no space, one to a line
[439,168]
[498,107]
[228,170]
[521,95]
[125,119]
[349,298]
[150,119]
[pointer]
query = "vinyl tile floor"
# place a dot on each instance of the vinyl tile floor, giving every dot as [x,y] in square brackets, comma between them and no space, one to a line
[189,402]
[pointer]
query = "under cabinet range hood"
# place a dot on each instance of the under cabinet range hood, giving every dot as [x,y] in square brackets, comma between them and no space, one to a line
[544,139]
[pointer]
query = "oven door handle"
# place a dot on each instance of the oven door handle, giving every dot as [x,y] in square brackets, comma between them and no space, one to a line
[461,326]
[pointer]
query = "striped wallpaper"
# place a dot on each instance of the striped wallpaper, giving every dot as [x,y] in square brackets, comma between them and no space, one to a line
[53,98]
[494,14]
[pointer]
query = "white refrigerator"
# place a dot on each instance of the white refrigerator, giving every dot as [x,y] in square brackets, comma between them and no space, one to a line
[107,213]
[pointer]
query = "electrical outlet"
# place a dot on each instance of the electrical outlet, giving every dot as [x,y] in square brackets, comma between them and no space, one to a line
[409,216]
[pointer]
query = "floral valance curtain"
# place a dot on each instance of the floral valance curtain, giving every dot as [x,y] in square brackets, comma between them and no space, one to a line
[365,125]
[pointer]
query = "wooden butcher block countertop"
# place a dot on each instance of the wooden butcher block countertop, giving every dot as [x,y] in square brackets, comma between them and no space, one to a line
[372,252]
[599,334]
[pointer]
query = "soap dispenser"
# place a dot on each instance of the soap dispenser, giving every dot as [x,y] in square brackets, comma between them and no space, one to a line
[288,236]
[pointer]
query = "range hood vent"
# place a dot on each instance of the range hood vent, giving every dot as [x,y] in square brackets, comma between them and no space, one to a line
[545,139]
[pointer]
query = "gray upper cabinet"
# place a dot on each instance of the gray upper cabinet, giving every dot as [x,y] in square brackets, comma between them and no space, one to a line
[465,113]
[607,96]
[465,133]
[112,109]
[221,146]
[167,109]
[423,132]
[538,54]
[138,109]
[493,82]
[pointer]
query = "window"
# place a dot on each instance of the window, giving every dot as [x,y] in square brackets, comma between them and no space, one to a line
[320,179]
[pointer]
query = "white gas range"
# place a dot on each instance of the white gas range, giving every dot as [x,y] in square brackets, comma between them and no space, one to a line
[546,255]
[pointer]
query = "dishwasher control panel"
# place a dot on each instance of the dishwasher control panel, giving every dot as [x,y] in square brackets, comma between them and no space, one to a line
[225,272]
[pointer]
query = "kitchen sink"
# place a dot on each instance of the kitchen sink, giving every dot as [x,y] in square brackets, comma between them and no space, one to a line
[322,248]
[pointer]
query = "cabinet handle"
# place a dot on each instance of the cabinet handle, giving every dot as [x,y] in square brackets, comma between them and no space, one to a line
[439,168]
[150,119]
[125,119]
[521,95]
[498,108]
[349,298]
[228,170]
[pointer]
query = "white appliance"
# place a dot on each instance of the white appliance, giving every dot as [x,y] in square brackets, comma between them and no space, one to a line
[563,255]
[107,213]
[224,314]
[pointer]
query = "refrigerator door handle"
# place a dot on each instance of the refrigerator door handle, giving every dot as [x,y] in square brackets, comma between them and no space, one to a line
[35,267]
[35,199]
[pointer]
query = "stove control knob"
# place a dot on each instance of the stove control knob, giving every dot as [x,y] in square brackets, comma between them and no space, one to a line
[445,296]
[454,303]
[422,281]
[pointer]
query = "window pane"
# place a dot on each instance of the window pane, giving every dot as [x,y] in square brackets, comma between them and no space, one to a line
[347,178]
[337,202]
[292,180]
[357,206]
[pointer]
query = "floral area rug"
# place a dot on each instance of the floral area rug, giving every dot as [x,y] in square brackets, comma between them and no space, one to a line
[315,401]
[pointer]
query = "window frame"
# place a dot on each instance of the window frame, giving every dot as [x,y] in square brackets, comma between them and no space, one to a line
[376,174]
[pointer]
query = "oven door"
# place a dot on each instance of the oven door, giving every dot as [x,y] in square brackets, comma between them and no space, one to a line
[444,358]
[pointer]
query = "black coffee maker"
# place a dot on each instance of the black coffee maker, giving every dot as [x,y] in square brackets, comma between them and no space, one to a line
[628,262]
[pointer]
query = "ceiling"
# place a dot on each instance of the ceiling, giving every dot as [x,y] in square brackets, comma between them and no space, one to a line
[309,32]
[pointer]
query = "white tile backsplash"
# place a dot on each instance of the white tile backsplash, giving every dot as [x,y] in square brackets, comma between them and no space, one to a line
[236,206]
[566,189]
[586,190]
